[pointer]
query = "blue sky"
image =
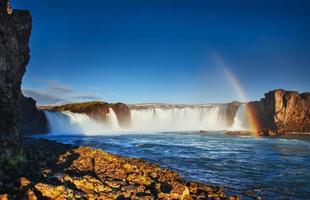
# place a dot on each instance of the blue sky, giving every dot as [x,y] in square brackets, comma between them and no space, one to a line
[136,51]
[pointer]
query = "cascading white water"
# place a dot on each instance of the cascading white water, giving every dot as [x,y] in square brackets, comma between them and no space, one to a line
[174,119]
[77,123]
[112,119]
[240,120]
[152,118]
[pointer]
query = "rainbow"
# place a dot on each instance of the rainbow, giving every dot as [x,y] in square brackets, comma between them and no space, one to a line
[250,113]
[253,121]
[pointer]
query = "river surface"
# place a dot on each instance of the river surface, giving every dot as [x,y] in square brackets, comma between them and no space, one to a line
[273,168]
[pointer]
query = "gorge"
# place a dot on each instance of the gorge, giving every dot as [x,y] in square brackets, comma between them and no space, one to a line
[280,112]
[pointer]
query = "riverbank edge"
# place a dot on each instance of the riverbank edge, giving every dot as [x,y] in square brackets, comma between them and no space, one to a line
[47,169]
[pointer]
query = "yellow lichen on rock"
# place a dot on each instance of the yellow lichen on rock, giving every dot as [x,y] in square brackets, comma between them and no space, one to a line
[31,195]
[84,173]
[54,192]
[4,197]
[23,182]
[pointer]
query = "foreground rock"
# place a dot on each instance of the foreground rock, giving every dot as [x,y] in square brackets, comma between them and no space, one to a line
[55,171]
[99,110]
[282,112]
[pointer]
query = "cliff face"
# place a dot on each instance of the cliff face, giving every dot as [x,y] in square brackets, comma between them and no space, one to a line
[231,111]
[32,120]
[123,114]
[99,110]
[15,29]
[283,112]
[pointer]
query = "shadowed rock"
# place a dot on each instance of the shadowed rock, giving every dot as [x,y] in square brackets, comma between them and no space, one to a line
[32,120]
[15,29]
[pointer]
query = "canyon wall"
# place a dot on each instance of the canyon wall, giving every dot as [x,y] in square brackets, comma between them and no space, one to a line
[281,112]
[15,30]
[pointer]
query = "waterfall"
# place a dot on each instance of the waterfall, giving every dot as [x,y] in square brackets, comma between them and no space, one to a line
[182,119]
[112,119]
[240,120]
[152,118]
[77,123]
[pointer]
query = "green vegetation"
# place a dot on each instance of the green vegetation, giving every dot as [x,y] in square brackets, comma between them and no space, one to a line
[15,161]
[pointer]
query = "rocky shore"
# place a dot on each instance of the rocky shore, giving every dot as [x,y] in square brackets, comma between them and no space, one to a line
[50,170]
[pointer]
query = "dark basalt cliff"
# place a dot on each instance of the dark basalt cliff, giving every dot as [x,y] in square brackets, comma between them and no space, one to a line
[98,110]
[282,112]
[32,120]
[15,30]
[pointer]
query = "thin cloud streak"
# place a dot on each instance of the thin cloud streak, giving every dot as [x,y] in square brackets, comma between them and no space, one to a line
[87,97]
[42,97]
[54,92]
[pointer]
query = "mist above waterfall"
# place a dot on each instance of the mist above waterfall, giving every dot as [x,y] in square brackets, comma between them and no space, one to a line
[152,118]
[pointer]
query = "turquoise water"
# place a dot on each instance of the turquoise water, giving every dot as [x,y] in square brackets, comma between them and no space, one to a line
[273,168]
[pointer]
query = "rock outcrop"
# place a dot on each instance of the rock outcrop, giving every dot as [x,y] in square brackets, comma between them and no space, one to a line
[33,121]
[123,114]
[56,171]
[95,109]
[282,112]
[98,110]
[231,110]
[15,30]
